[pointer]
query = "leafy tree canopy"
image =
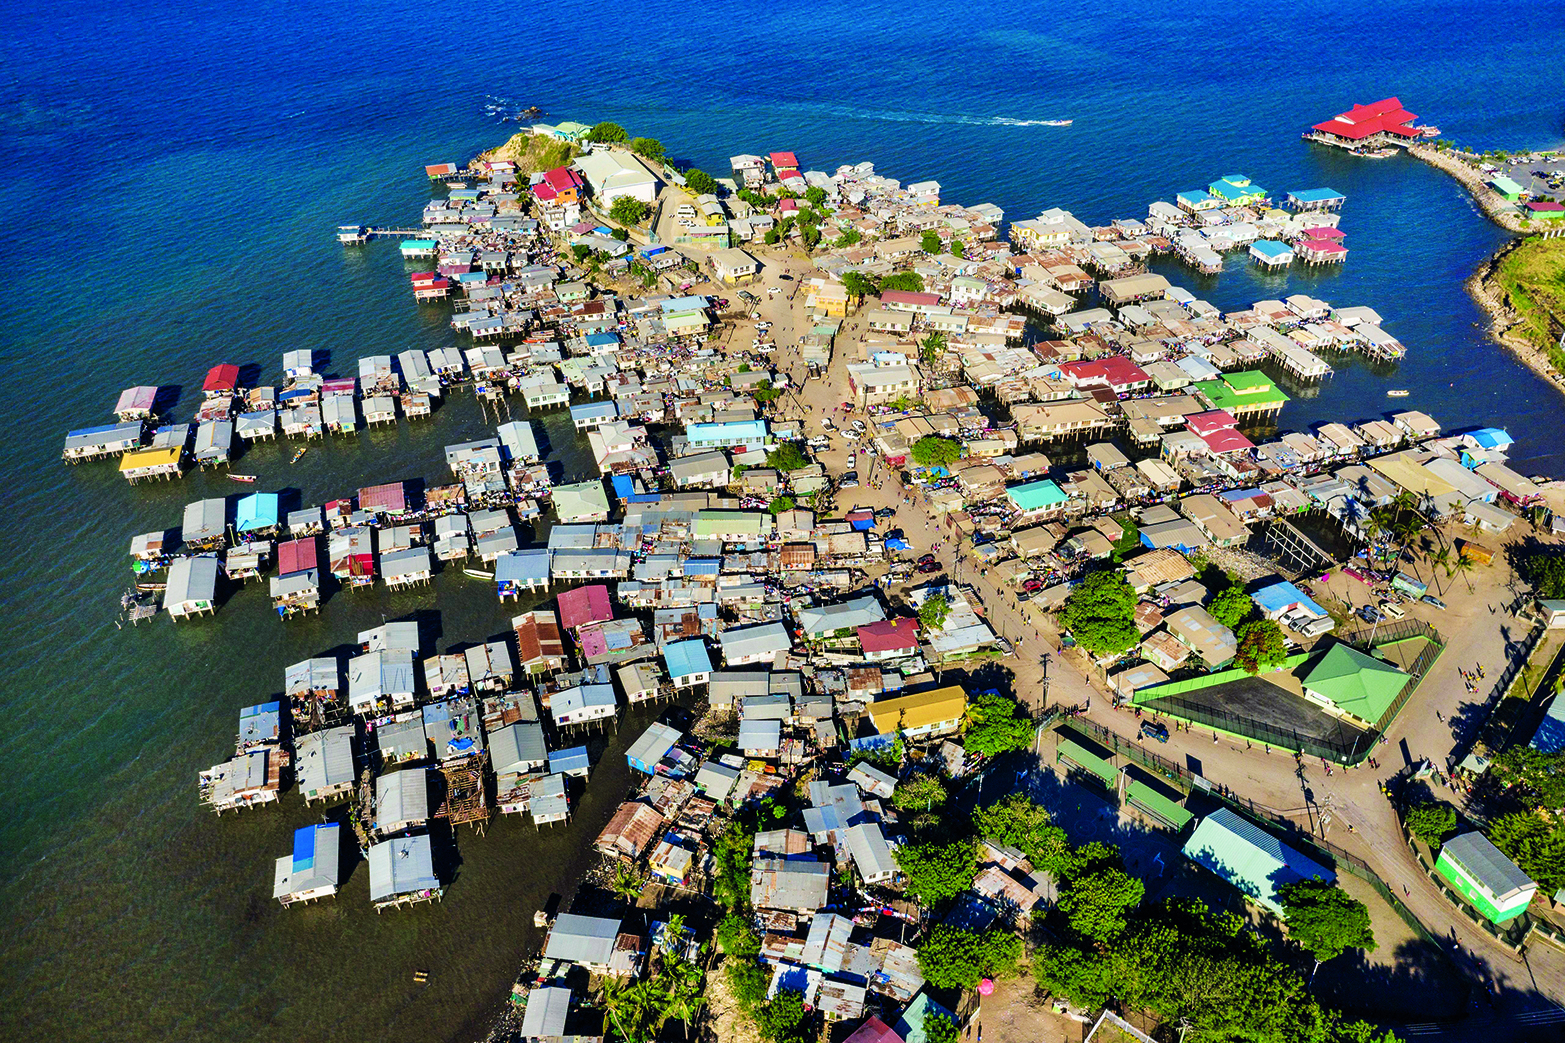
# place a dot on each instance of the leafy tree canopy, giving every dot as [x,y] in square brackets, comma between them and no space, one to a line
[787,456]
[995,725]
[607,132]
[932,613]
[1101,613]
[629,211]
[1261,646]
[909,282]
[1432,822]
[849,237]
[1538,847]
[920,791]
[1231,607]
[1540,774]
[938,1028]
[934,451]
[1020,822]
[1096,903]
[1325,919]
[780,504]
[701,183]
[932,347]
[937,872]
[816,195]
[857,284]
[957,249]
[648,148]
[951,957]
[1545,572]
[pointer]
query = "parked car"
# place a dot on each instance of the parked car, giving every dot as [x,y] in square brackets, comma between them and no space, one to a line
[928,564]
[1430,599]
[885,512]
[1033,585]
[826,423]
[1154,730]
[1392,610]
[849,481]
[893,534]
[1005,647]
[1370,614]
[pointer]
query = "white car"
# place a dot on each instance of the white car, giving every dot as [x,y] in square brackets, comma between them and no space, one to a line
[827,424]
[1392,610]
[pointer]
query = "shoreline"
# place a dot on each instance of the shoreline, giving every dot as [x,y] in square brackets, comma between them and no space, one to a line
[1472,180]
[1483,287]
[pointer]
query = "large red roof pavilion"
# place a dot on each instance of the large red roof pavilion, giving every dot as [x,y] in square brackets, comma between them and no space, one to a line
[1384,122]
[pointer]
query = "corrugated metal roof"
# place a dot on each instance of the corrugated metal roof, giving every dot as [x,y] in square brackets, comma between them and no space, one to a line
[1486,863]
[581,939]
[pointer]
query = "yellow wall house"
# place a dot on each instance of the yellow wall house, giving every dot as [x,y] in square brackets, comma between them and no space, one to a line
[936,712]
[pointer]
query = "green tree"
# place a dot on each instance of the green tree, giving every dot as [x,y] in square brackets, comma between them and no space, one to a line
[1101,613]
[920,791]
[939,1028]
[701,183]
[937,872]
[932,347]
[780,504]
[580,252]
[1540,775]
[809,236]
[1431,822]
[628,210]
[957,249]
[857,284]
[607,132]
[1325,919]
[1545,572]
[787,456]
[1538,847]
[849,237]
[773,236]
[907,282]
[929,242]
[952,957]
[648,148]
[934,451]
[995,725]
[932,613]
[816,195]
[783,1019]
[732,855]
[1261,646]
[626,886]
[1018,821]
[1096,904]
[1231,607]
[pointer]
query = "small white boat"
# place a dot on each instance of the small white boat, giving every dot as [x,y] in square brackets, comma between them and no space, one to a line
[1399,393]
[1058,123]
[478,574]
[247,478]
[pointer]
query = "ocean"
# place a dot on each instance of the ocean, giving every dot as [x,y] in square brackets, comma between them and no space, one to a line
[175,175]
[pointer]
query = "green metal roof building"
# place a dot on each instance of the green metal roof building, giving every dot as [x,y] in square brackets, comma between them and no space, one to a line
[1356,684]
[1036,496]
[1488,879]
[1247,391]
[1506,188]
[1251,859]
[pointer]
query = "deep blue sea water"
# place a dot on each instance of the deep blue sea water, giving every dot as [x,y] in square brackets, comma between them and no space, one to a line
[174,176]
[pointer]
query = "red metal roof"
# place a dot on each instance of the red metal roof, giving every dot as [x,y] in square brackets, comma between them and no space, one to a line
[296,556]
[909,297]
[1117,370]
[583,605]
[1323,232]
[224,377]
[544,192]
[439,169]
[1322,246]
[1212,420]
[1384,116]
[873,1031]
[889,635]
[562,178]
[1225,440]
[784,161]
[388,497]
[1546,206]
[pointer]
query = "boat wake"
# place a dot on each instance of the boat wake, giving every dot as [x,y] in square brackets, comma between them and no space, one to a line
[891,116]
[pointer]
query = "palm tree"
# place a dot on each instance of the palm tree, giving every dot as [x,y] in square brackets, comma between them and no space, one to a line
[1440,558]
[674,934]
[1464,565]
[635,1008]
[626,885]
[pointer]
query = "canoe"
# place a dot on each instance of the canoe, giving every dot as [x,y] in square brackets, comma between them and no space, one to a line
[299,453]
[478,573]
[249,478]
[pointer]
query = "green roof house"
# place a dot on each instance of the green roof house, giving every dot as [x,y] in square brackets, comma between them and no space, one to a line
[1492,882]
[1348,682]
[1248,857]
[1236,190]
[1241,393]
[1505,188]
[1036,497]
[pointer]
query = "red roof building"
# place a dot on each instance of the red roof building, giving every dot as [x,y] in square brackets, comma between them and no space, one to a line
[1545,207]
[1225,440]
[889,635]
[383,499]
[1204,424]
[296,556]
[221,379]
[910,300]
[582,605]
[873,1031]
[783,161]
[1383,122]
[1117,371]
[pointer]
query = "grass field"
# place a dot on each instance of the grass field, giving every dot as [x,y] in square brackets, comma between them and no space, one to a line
[1533,276]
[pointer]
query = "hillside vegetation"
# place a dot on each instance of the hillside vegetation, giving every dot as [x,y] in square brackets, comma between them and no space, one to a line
[534,152]
[1533,276]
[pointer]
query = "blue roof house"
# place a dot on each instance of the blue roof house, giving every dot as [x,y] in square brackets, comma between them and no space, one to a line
[257,511]
[688,663]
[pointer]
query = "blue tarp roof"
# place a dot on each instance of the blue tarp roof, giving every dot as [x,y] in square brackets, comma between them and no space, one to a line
[1315,195]
[1550,737]
[1270,248]
[303,848]
[599,340]
[256,511]
[1280,595]
[647,498]
[896,544]
[1492,438]
[624,487]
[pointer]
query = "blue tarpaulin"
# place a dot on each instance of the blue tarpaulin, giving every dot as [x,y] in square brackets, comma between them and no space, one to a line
[624,488]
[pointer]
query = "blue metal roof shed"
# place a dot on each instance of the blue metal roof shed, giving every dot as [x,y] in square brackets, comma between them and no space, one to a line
[257,511]
[569,762]
[687,658]
[1280,597]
